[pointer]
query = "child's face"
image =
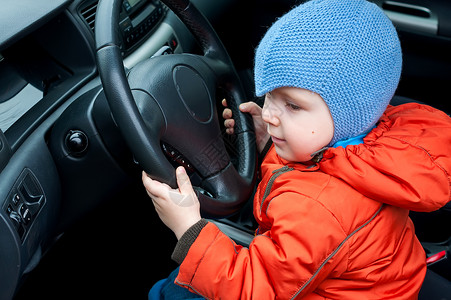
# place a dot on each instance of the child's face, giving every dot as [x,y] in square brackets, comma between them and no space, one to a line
[298,121]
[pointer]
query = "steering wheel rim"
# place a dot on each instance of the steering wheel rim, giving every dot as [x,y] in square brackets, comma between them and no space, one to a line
[143,118]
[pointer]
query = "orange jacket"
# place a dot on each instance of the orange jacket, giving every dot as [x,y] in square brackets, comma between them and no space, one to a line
[339,229]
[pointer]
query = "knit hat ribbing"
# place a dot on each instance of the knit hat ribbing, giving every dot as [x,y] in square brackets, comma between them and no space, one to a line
[348,52]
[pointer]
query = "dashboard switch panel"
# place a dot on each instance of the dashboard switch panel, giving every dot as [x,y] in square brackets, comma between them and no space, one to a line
[24,202]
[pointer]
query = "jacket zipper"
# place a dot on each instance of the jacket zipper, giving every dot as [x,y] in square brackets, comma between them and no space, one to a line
[276,173]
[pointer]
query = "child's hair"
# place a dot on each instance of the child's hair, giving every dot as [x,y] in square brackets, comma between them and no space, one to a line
[346,51]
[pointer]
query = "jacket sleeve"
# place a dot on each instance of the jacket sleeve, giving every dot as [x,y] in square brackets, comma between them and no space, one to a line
[186,240]
[289,260]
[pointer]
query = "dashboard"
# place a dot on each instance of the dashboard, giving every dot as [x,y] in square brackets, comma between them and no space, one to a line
[55,122]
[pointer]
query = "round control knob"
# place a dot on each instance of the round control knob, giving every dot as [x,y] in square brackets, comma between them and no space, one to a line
[76,142]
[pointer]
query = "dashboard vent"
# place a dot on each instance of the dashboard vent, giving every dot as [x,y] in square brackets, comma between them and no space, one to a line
[89,14]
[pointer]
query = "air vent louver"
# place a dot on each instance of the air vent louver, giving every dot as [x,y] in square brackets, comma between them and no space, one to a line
[89,14]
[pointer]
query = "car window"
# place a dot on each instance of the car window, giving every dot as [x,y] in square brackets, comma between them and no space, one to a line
[17,95]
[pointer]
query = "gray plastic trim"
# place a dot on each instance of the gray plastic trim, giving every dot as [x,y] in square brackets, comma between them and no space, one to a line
[239,236]
[410,22]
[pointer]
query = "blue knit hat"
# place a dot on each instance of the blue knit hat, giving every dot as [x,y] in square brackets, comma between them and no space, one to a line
[347,51]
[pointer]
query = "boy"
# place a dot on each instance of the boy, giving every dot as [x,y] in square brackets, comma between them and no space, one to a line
[336,226]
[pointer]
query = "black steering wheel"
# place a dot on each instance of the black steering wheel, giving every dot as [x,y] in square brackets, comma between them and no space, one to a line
[167,105]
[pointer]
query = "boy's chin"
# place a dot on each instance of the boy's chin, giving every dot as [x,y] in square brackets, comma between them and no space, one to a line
[291,157]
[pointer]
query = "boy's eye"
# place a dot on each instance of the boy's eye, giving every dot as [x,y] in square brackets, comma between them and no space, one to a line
[292,106]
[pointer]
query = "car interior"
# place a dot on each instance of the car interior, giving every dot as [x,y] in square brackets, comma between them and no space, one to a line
[85,106]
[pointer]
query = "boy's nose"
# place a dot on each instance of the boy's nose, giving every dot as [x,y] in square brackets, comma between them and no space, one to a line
[271,114]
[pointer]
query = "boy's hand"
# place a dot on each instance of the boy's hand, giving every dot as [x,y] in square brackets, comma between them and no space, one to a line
[261,134]
[179,209]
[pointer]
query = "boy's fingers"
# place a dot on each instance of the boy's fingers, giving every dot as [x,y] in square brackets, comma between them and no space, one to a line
[251,107]
[227,113]
[183,181]
[229,123]
[147,181]
[230,130]
[224,102]
[155,188]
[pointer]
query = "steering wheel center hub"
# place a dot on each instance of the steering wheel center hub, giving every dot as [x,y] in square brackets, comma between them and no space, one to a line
[194,93]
